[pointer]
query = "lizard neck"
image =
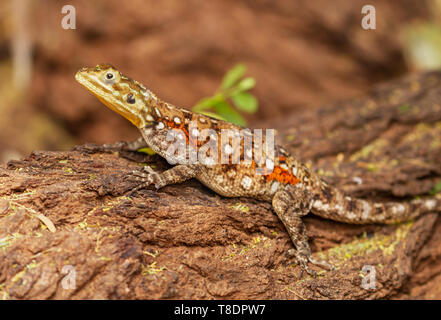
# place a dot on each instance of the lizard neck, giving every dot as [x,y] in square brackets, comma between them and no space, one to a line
[161,113]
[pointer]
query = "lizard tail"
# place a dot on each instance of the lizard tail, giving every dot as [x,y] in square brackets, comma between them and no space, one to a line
[333,204]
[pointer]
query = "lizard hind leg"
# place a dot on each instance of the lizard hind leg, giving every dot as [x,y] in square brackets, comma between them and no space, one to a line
[290,205]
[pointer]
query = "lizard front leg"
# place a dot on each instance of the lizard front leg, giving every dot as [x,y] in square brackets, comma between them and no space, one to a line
[177,174]
[290,205]
[127,146]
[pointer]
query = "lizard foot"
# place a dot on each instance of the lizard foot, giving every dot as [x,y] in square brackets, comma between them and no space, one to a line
[145,177]
[304,259]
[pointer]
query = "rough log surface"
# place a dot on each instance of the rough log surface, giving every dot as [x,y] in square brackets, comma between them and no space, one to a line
[184,241]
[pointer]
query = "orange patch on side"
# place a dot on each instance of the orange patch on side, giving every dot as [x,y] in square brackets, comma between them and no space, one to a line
[282,175]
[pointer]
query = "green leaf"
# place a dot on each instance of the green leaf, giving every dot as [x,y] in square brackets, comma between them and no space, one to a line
[246,84]
[212,115]
[229,114]
[232,76]
[207,103]
[245,101]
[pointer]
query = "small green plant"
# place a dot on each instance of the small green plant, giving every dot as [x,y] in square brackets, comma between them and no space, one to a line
[233,91]
[435,189]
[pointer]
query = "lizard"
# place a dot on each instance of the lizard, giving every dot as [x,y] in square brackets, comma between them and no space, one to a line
[293,190]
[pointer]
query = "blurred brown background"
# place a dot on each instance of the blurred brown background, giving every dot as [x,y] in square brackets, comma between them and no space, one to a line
[302,54]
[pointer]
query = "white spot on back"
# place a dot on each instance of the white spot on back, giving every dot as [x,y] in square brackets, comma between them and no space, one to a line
[246,182]
[157,112]
[274,186]
[294,171]
[177,120]
[231,173]
[149,118]
[160,126]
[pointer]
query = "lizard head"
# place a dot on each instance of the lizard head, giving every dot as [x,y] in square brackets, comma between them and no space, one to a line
[119,93]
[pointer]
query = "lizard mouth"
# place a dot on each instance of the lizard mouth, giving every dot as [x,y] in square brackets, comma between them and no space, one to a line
[107,98]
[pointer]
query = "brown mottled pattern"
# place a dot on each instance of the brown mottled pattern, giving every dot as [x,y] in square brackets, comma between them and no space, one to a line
[293,190]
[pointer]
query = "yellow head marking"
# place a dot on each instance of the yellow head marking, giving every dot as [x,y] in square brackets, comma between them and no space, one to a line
[118,92]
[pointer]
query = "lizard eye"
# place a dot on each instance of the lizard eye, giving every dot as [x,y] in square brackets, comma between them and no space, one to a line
[109,77]
[130,98]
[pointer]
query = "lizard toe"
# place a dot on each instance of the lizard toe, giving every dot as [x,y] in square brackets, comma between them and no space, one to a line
[136,175]
[304,260]
[146,177]
[304,267]
[142,180]
[149,170]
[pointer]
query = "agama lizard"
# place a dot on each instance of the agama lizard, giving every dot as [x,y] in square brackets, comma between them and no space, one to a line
[290,186]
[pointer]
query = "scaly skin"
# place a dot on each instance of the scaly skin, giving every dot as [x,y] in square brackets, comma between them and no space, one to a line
[293,190]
